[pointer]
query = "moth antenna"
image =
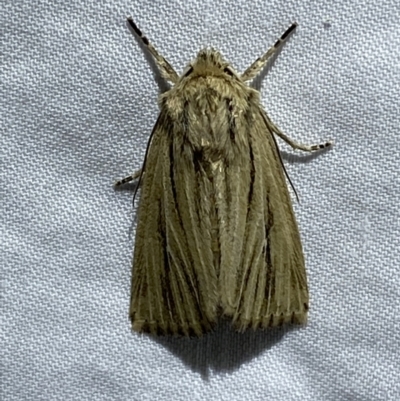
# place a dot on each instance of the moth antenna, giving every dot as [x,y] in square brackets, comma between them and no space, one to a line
[138,175]
[163,65]
[259,64]
[141,171]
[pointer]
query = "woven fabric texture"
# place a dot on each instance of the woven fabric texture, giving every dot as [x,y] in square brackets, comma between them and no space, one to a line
[78,102]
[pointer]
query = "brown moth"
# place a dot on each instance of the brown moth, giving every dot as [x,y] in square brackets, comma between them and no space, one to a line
[216,233]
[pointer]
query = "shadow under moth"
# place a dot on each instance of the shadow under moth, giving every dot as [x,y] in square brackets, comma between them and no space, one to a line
[216,233]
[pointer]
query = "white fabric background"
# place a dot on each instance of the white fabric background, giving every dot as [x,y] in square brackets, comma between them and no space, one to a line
[77,105]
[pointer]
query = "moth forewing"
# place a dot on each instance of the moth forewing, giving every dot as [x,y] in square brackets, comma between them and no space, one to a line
[216,233]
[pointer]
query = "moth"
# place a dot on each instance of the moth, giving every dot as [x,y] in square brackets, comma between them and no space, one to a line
[216,233]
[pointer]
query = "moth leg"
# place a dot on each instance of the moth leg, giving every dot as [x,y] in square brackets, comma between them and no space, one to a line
[129,178]
[300,146]
[164,66]
[259,64]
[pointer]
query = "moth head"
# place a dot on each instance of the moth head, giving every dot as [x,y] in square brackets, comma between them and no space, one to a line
[210,62]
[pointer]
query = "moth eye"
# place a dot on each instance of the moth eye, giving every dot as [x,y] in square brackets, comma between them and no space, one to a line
[188,71]
[228,71]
